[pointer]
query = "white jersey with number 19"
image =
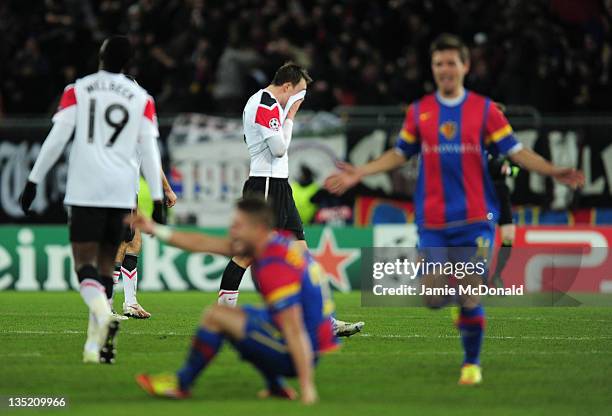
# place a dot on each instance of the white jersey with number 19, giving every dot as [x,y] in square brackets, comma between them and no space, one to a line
[113,118]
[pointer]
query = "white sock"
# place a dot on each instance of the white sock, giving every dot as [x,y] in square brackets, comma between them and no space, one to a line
[92,343]
[228,297]
[130,284]
[94,295]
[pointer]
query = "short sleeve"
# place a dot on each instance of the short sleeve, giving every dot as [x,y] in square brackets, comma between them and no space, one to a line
[407,143]
[148,125]
[499,137]
[280,284]
[66,111]
[267,120]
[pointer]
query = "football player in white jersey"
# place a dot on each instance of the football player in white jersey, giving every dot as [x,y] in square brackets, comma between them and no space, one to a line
[268,126]
[112,118]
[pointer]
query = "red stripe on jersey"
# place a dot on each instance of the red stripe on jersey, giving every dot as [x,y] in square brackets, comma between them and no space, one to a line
[149,111]
[68,98]
[472,164]
[433,206]
[268,117]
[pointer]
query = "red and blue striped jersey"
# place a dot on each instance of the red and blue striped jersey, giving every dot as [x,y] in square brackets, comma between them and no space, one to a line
[453,185]
[288,275]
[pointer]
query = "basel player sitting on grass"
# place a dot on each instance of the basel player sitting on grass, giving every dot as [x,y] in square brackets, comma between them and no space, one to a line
[283,339]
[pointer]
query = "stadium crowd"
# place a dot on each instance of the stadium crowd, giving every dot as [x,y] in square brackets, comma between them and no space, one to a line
[210,55]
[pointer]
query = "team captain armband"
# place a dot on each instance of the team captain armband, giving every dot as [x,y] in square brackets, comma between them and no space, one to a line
[407,142]
[268,115]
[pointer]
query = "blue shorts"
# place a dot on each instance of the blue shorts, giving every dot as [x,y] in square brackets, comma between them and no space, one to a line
[264,345]
[470,242]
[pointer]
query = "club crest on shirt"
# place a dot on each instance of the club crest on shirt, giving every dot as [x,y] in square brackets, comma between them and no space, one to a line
[448,129]
[274,124]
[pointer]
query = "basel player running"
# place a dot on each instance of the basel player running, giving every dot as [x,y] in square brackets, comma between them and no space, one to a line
[284,339]
[112,118]
[455,201]
[268,125]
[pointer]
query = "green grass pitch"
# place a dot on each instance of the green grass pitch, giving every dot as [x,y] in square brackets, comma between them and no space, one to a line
[536,361]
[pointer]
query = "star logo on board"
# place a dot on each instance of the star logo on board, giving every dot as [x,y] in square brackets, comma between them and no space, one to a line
[334,260]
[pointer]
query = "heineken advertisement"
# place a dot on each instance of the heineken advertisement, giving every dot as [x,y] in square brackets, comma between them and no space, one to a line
[39,258]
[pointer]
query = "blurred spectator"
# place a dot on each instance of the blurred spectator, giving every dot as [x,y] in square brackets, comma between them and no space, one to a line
[552,54]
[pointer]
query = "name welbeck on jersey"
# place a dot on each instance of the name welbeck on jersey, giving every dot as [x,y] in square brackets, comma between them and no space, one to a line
[101,85]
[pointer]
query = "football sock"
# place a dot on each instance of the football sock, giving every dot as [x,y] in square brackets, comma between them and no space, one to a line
[205,346]
[471,328]
[230,282]
[92,343]
[116,276]
[129,271]
[93,292]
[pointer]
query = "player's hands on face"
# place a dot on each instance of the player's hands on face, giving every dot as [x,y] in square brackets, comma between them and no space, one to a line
[170,198]
[339,182]
[570,177]
[294,109]
[140,222]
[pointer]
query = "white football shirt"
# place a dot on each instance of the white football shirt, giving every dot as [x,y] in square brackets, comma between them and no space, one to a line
[114,124]
[261,120]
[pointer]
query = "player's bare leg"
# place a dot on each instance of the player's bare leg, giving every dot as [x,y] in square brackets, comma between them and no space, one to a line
[116,276]
[230,281]
[129,271]
[508,234]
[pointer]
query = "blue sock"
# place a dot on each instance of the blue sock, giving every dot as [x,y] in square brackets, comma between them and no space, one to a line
[471,327]
[205,346]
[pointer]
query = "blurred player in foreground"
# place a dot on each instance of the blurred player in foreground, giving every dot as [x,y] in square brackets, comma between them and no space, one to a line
[126,261]
[284,339]
[455,201]
[112,119]
[268,125]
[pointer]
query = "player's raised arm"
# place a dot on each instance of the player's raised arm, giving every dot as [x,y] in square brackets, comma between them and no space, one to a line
[186,240]
[63,126]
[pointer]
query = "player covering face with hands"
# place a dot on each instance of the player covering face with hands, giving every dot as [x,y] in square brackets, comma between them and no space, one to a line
[285,338]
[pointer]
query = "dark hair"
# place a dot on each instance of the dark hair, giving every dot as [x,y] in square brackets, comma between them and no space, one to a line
[446,41]
[116,53]
[258,209]
[292,73]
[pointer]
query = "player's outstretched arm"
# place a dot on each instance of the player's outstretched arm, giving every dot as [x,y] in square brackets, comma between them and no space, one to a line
[292,327]
[531,161]
[189,241]
[349,175]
